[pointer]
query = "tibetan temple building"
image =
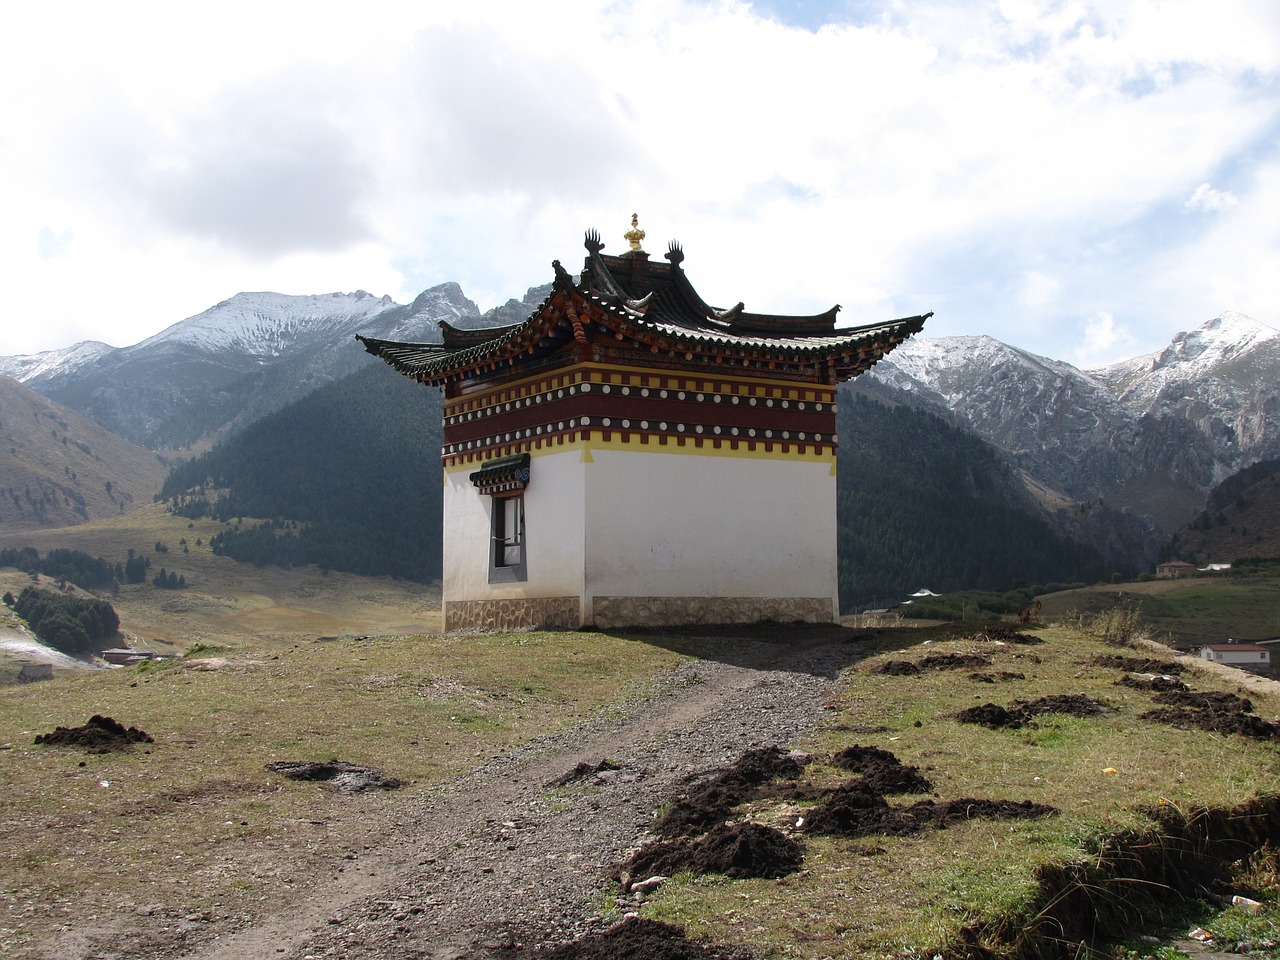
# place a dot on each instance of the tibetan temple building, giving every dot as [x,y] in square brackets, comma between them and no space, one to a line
[630,455]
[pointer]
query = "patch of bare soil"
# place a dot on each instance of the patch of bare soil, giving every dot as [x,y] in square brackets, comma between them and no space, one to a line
[1216,712]
[1137,664]
[336,775]
[1022,712]
[1151,681]
[738,850]
[995,633]
[881,770]
[897,668]
[637,939]
[711,801]
[582,771]
[100,735]
[943,813]
[1215,702]
[935,661]
[856,809]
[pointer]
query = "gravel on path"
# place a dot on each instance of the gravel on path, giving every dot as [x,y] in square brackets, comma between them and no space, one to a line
[499,863]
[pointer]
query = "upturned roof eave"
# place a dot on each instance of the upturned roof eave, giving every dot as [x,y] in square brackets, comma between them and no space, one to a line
[432,363]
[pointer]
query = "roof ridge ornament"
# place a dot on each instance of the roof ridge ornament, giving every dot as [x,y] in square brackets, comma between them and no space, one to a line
[641,306]
[635,234]
[563,279]
[675,252]
[592,241]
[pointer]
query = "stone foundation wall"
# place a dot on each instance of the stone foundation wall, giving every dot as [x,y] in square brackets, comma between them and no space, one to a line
[515,614]
[612,612]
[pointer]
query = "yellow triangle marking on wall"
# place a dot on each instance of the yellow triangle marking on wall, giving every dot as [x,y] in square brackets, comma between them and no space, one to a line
[586,456]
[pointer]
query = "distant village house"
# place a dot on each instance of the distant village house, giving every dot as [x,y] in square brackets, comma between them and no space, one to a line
[1175,568]
[1237,653]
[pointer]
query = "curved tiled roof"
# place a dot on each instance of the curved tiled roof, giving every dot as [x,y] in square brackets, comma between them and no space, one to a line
[654,306]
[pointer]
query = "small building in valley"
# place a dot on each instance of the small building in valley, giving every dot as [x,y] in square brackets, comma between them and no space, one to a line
[1237,653]
[632,455]
[1175,568]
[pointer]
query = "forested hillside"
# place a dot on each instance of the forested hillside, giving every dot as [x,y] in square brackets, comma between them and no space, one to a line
[349,478]
[923,504]
[1241,520]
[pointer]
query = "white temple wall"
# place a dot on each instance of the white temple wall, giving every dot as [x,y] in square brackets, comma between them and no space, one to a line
[553,533]
[551,593]
[730,530]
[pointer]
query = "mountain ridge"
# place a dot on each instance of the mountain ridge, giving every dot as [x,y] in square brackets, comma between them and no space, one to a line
[1150,435]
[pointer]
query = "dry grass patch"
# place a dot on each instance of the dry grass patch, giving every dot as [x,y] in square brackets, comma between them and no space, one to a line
[907,896]
[193,824]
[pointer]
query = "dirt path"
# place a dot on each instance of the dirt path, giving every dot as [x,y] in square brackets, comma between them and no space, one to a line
[499,859]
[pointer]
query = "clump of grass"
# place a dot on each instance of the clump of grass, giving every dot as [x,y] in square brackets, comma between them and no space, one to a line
[1120,626]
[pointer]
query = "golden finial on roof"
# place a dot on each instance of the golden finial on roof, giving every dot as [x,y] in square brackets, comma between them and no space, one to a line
[635,234]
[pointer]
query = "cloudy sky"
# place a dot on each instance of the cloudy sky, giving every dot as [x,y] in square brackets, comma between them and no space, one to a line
[1080,179]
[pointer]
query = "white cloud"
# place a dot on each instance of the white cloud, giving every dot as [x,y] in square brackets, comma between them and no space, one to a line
[1206,199]
[1011,164]
[1100,342]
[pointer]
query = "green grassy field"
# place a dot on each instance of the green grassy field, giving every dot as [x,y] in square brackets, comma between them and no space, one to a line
[914,896]
[1188,612]
[227,603]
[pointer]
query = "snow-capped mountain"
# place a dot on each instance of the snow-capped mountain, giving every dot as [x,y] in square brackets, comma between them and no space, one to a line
[1230,353]
[53,363]
[1151,434]
[240,359]
[267,325]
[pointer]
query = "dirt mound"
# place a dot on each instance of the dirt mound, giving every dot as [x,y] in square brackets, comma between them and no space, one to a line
[1072,704]
[857,810]
[738,850]
[991,715]
[637,939]
[942,813]
[1151,681]
[1245,724]
[995,633]
[336,775]
[881,770]
[1215,712]
[954,661]
[1021,712]
[710,802]
[935,661]
[897,668]
[1214,702]
[581,771]
[1136,664]
[100,735]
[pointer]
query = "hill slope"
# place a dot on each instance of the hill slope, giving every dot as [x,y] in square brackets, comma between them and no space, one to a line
[239,360]
[59,468]
[1152,434]
[350,474]
[1241,520]
[357,464]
